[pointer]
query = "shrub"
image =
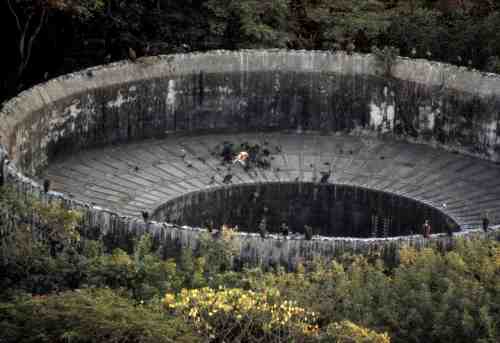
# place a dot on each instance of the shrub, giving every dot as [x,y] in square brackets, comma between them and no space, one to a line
[89,316]
[242,315]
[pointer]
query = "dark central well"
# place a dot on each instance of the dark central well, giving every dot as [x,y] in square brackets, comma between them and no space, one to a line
[330,209]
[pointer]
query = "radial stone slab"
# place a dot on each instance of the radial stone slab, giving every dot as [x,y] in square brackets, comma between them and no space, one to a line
[146,175]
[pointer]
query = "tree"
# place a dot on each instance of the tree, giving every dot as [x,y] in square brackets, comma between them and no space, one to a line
[31,15]
[249,23]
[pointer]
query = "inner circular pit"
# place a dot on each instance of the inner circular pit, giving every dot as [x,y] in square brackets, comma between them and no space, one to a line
[328,209]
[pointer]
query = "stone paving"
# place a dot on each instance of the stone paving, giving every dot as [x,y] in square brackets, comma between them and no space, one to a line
[141,176]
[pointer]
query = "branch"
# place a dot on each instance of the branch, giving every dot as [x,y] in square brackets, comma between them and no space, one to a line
[35,34]
[23,37]
[18,23]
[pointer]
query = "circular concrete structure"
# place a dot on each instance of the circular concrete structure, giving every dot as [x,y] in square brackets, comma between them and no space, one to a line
[331,210]
[133,137]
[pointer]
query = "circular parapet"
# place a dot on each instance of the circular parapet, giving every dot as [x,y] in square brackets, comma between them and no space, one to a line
[133,136]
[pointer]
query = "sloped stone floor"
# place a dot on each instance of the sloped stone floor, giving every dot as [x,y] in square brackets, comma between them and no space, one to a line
[143,175]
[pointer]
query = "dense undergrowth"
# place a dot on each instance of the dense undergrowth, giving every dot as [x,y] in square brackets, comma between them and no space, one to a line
[57,286]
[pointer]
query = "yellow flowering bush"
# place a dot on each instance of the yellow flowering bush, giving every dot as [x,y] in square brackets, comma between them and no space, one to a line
[239,314]
[348,332]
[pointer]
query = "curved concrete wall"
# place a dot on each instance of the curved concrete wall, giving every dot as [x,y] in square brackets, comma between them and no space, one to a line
[425,102]
[333,210]
[299,90]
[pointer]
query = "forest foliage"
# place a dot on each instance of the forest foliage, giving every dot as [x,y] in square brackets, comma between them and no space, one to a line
[51,37]
[66,287]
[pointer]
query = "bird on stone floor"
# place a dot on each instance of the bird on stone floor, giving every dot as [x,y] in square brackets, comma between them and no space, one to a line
[183,153]
[278,148]
[459,60]
[227,178]
[325,176]
[46,186]
[132,55]
[382,157]
[296,179]
[145,216]
[136,169]
[202,160]
[428,54]
[413,52]
[107,58]
[469,64]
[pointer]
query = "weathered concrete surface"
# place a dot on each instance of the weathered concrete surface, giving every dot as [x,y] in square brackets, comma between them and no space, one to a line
[297,91]
[333,210]
[244,90]
[108,176]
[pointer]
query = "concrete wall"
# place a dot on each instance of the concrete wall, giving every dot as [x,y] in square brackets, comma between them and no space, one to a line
[332,210]
[120,231]
[425,102]
[300,90]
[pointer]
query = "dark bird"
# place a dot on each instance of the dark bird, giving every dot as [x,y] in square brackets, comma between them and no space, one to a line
[202,160]
[90,73]
[136,169]
[308,232]
[189,165]
[382,157]
[297,179]
[284,229]
[46,185]
[145,216]
[325,176]
[278,148]
[350,47]
[263,228]
[146,50]
[132,55]
[227,178]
